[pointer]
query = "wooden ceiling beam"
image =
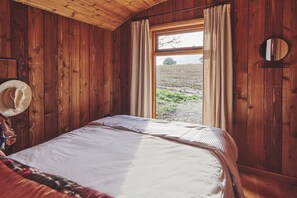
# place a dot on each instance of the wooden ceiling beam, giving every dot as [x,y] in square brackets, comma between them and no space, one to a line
[102,12]
[108,14]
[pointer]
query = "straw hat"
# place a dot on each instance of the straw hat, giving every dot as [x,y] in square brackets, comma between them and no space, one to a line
[15,97]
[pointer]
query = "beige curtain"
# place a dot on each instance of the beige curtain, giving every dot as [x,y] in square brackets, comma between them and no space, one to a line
[218,68]
[141,82]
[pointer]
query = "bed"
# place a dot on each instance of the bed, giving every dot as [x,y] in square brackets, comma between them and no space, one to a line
[127,156]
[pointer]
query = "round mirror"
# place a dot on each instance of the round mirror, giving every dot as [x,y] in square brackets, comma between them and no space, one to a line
[274,49]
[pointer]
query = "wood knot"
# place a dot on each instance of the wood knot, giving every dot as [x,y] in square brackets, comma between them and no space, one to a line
[286,78]
[37,49]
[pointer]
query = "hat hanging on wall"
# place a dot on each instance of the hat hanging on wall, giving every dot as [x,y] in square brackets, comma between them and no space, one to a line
[15,97]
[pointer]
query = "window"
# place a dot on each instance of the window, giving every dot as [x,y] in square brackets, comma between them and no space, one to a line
[183,40]
[178,71]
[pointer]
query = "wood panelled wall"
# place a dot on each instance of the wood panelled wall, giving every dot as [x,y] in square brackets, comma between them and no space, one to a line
[265,100]
[68,65]
[78,73]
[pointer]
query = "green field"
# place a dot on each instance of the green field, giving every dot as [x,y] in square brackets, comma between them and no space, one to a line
[179,87]
[168,100]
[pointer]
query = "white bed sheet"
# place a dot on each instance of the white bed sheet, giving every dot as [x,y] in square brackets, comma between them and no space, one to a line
[127,164]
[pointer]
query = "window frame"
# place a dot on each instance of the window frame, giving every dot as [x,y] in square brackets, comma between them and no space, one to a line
[181,31]
[167,28]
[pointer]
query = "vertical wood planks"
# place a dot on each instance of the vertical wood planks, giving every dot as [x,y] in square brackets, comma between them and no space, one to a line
[3,70]
[74,58]
[116,103]
[289,128]
[125,69]
[157,10]
[36,75]
[53,59]
[5,42]
[273,94]
[240,60]
[4,34]
[189,14]
[19,51]
[199,12]
[150,12]
[255,127]
[100,73]
[94,68]
[51,75]
[168,7]
[63,75]
[5,29]
[84,75]
[108,61]
[179,6]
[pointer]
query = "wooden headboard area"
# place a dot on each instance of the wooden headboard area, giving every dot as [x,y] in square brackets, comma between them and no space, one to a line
[79,72]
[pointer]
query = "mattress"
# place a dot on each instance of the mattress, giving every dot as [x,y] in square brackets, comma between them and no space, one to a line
[128,162]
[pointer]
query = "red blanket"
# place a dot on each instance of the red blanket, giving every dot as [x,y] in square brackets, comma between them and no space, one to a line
[20,181]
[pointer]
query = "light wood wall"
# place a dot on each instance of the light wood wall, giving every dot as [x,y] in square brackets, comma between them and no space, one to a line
[265,100]
[68,65]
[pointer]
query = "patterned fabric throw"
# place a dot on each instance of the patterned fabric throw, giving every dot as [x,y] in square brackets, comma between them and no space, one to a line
[2,138]
[58,183]
[7,134]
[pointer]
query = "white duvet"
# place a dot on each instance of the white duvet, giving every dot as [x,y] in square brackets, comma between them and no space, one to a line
[138,161]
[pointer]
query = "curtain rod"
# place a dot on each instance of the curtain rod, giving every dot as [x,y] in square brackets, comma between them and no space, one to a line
[183,10]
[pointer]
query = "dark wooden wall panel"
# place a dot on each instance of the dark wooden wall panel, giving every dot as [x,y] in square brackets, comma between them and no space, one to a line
[96,67]
[74,74]
[289,111]
[94,61]
[19,51]
[180,15]
[5,29]
[255,124]
[54,59]
[240,19]
[124,72]
[84,74]
[51,75]
[4,36]
[167,7]
[36,75]
[273,94]
[100,70]
[264,99]
[116,99]
[63,74]
[108,74]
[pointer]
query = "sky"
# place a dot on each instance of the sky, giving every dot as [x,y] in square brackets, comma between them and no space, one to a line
[181,59]
[186,40]
[189,39]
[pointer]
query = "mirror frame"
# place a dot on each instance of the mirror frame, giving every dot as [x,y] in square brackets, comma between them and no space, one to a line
[271,61]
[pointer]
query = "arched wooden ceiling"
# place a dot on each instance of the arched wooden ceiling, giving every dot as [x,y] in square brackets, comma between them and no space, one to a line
[108,14]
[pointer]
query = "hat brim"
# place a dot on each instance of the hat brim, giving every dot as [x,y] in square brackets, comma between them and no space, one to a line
[25,103]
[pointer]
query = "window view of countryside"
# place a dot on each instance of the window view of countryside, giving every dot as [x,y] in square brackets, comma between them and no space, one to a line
[179,78]
[179,88]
